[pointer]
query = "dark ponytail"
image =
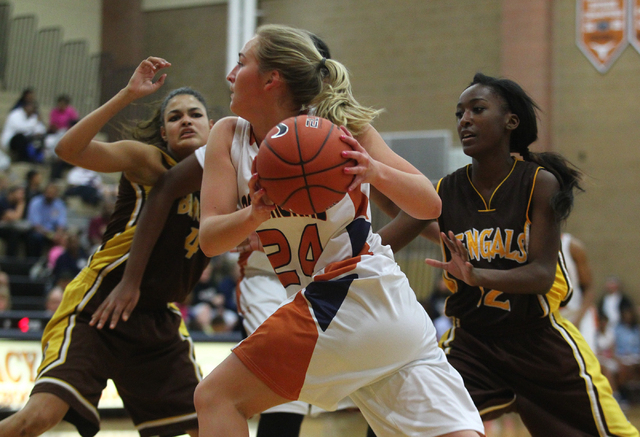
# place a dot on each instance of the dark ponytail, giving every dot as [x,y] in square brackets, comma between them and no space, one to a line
[568,176]
[518,102]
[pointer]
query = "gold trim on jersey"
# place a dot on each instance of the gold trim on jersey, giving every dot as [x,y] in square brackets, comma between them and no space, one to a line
[166,421]
[448,336]
[71,389]
[561,289]
[497,407]
[118,246]
[56,337]
[487,208]
[185,336]
[604,408]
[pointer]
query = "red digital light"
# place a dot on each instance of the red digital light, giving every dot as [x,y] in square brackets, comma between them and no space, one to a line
[23,324]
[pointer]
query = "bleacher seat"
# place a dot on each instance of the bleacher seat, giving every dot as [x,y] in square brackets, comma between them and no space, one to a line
[17,265]
[27,293]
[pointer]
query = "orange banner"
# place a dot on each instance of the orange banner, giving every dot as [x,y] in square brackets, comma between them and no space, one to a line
[602,30]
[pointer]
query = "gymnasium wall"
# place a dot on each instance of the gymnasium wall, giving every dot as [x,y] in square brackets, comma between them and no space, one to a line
[595,125]
[80,19]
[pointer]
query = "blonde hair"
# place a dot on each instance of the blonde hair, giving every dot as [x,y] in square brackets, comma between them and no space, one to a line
[314,82]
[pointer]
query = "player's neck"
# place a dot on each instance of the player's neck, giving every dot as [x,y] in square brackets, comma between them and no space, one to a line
[262,127]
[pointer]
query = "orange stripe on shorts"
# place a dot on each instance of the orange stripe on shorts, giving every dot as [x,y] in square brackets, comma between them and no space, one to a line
[280,350]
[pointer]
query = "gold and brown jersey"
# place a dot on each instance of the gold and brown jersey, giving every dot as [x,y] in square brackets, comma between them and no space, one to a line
[496,235]
[176,261]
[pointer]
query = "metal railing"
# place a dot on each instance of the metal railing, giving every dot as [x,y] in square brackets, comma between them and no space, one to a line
[5,14]
[40,59]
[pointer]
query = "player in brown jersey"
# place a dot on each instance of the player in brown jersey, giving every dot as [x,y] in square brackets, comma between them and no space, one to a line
[150,357]
[501,221]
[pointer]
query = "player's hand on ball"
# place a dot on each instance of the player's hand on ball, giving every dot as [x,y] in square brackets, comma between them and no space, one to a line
[250,244]
[364,170]
[261,206]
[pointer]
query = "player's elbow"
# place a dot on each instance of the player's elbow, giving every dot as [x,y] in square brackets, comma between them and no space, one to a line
[62,150]
[207,241]
[205,245]
[545,282]
[436,208]
[431,210]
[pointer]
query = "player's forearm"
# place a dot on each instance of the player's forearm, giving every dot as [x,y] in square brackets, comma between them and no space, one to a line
[412,193]
[76,139]
[221,233]
[149,227]
[534,278]
[401,231]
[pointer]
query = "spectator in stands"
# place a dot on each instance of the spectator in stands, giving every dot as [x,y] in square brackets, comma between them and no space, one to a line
[205,288]
[614,301]
[48,217]
[72,259]
[627,349]
[33,186]
[5,182]
[98,224]
[209,311]
[212,317]
[63,115]
[28,95]
[23,135]
[5,296]
[13,226]
[86,184]
[61,118]
[54,295]
[605,352]
[225,276]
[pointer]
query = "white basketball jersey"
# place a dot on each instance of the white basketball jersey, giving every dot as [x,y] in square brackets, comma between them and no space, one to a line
[255,263]
[301,247]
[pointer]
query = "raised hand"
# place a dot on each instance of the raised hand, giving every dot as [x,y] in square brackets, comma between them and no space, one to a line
[141,83]
[459,265]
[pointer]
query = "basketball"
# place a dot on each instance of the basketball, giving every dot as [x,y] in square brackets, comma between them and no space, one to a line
[300,165]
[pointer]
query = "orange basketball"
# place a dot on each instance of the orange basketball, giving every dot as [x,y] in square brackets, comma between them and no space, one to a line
[300,165]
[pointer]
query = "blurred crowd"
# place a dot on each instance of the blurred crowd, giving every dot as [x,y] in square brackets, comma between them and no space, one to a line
[39,222]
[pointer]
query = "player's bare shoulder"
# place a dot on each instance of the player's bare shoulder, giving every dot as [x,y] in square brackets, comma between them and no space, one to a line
[226,127]
[221,136]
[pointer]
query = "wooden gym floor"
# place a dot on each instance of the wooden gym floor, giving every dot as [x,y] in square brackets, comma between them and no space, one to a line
[340,424]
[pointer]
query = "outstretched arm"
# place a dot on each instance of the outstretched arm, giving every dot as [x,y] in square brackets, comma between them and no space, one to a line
[139,161]
[403,228]
[183,179]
